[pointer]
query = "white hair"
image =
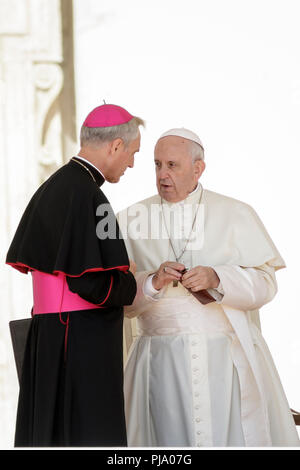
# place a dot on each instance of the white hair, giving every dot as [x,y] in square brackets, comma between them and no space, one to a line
[100,135]
[196,151]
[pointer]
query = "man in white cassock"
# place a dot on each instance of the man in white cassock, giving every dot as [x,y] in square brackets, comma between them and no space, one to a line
[199,373]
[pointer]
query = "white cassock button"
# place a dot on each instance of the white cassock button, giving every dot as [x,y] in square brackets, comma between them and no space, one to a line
[195,382]
[194,356]
[197,394]
[199,433]
[198,420]
[197,407]
[195,369]
[194,343]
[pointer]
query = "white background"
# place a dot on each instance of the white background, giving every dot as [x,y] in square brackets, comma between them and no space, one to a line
[229,71]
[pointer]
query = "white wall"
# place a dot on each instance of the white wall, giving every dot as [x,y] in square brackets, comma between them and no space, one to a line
[230,71]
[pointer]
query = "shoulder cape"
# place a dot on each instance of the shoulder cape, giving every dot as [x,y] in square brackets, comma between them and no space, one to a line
[233,234]
[57,232]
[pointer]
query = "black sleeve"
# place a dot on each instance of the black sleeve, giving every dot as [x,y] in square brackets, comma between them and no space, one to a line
[112,288]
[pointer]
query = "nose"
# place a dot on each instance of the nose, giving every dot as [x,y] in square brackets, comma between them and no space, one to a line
[131,162]
[162,173]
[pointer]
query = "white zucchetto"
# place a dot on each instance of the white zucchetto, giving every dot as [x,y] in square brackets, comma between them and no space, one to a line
[185,133]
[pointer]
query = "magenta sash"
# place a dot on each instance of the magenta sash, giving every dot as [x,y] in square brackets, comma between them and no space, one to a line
[51,294]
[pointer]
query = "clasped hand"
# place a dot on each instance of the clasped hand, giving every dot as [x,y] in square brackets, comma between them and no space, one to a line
[197,278]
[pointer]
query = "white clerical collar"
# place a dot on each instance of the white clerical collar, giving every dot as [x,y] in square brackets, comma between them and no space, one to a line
[87,161]
[195,190]
[193,196]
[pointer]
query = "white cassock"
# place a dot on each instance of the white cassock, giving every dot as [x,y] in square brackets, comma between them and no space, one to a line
[202,375]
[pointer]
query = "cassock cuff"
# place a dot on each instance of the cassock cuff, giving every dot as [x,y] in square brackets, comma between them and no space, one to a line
[148,288]
[217,293]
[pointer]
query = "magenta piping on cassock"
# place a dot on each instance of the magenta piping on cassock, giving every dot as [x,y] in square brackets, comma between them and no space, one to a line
[24,268]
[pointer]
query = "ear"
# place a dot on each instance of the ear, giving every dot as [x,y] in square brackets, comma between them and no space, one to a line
[199,166]
[116,145]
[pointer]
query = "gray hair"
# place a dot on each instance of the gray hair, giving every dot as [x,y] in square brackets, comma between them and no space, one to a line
[99,135]
[196,151]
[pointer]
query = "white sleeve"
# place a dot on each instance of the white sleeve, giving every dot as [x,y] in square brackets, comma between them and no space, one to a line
[247,288]
[217,293]
[148,288]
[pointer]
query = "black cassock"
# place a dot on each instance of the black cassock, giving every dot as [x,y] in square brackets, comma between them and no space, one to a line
[71,389]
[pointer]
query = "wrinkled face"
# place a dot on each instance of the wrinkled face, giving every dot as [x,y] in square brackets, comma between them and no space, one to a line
[176,174]
[122,157]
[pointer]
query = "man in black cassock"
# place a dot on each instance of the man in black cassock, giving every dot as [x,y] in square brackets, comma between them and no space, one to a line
[71,389]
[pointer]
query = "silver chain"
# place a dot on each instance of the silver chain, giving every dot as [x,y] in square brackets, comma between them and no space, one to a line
[170,240]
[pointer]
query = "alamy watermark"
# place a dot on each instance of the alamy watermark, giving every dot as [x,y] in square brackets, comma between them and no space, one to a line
[183,223]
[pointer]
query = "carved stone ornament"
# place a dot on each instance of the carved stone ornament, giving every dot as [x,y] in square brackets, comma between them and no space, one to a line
[48,85]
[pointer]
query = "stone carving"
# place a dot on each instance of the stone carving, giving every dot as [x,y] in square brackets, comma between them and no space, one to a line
[37,129]
[48,85]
